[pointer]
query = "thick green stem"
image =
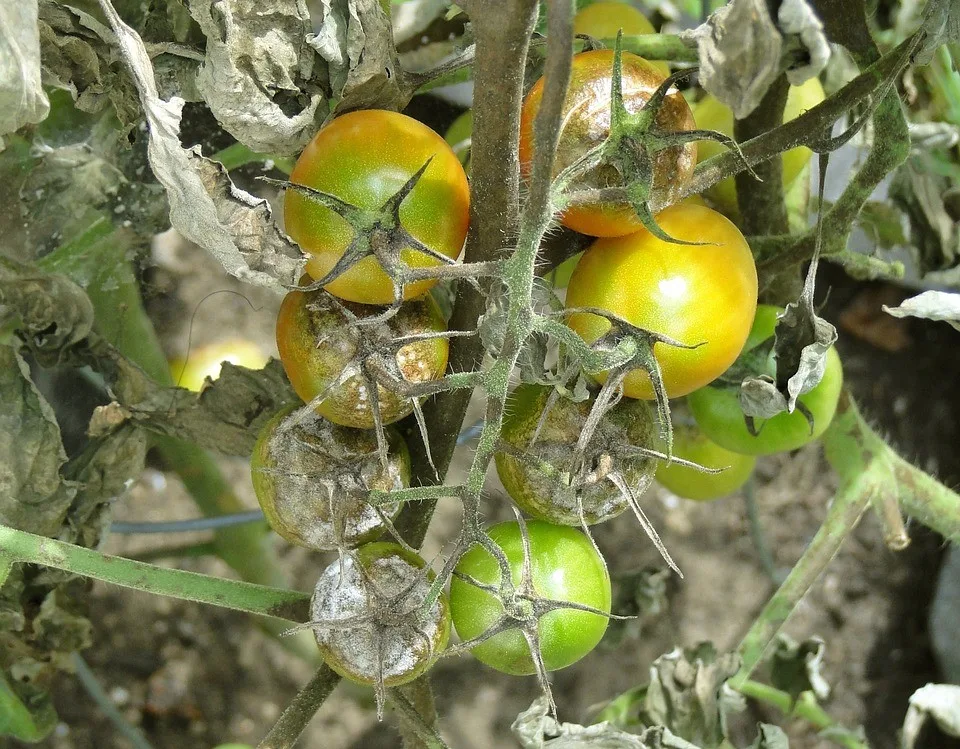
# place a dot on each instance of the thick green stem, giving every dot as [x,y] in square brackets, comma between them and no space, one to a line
[871,473]
[300,712]
[21,546]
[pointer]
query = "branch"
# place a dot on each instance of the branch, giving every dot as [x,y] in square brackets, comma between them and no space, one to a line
[301,710]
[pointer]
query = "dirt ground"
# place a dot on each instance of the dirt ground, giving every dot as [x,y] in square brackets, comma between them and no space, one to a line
[192,677]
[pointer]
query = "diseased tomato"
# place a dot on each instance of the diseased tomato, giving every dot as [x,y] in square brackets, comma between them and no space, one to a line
[712,115]
[365,158]
[691,444]
[565,567]
[717,409]
[586,124]
[316,342]
[312,477]
[602,20]
[558,495]
[380,590]
[205,361]
[702,295]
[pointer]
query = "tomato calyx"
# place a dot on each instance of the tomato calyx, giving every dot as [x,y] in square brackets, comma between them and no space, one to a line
[630,149]
[380,234]
[523,607]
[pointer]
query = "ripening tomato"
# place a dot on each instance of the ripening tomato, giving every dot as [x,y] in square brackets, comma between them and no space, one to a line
[703,295]
[365,158]
[712,115]
[602,20]
[586,124]
[316,342]
[717,409]
[205,361]
[374,596]
[565,567]
[691,444]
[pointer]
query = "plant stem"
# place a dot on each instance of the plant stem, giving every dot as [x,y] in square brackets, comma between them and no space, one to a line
[301,710]
[806,707]
[420,696]
[502,38]
[21,546]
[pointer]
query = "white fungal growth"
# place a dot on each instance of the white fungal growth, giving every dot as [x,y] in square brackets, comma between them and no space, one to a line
[361,618]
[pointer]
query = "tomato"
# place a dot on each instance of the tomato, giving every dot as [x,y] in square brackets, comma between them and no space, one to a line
[691,444]
[717,409]
[565,567]
[312,477]
[586,124]
[382,588]
[552,496]
[695,294]
[602,20]
[205,361]
[712,115]
[459,135]
[316,343]
[365,158]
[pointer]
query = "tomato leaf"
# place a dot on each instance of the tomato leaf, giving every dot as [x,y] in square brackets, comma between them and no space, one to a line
[22,99]
[939,702]
[770,737]
[25,723]
[796,667]
[930,305]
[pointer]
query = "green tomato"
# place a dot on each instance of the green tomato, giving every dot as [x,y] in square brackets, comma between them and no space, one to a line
[717,409]
[691,444]
[565,567]
[710,114]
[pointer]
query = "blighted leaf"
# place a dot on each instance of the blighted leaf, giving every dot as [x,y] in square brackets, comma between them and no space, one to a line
[740,49]
[800,347]
[941,21]
[641,595]
[356,40]
[33,494]
[257,75]
[940,702]
[33,723]
[796,667]
[883,223]
[205,206]
[688,693]
[930,305]
[770,737]
[22,99]
[797,18]
[536,729]
[226,416]
[919,190]
[77,52]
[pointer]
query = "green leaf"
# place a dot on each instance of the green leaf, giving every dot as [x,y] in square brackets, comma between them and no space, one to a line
[19,721]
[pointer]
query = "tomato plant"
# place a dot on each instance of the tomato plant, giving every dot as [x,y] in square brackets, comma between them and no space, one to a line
[205,361]
[369,617]
[691,444]
[365,158]
[565,567]
[586,124]
[717,409]
[554,487]
[312,478]
[604,19]
[712,115]
[319,347]
[700,295]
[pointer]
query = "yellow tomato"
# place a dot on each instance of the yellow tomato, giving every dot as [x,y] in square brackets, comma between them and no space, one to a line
[604,19]
[205,361]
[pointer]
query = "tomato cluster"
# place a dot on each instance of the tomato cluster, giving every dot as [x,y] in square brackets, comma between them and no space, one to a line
[376,193]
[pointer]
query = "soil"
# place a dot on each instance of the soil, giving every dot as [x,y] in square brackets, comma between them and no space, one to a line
[192,677]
